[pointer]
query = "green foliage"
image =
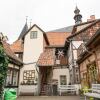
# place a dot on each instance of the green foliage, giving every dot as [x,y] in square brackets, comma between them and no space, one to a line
[3,69]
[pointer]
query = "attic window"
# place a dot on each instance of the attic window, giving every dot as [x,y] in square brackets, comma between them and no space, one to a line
[33,34]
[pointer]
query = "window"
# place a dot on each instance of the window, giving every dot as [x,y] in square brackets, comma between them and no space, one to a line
[77,78]
[15,78]
[12,78]
[33,35]
[77,70]
[9,78]
[20,56]
[29,75]
[92,72]
[63,80]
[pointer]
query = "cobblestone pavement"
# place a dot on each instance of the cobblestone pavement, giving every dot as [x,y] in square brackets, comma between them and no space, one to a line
[49,98]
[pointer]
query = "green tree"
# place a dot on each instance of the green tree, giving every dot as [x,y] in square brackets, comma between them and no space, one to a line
[3,69]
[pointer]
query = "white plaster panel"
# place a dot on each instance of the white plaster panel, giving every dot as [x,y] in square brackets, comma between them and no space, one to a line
[33,47]
[76,44]
[58,72]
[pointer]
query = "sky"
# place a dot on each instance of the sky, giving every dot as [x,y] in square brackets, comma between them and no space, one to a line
[47,14]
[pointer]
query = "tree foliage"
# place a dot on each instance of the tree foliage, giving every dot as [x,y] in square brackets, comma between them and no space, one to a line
[3,69]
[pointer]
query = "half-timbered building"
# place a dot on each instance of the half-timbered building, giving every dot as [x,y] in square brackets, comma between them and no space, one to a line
[89,61]
[14,65]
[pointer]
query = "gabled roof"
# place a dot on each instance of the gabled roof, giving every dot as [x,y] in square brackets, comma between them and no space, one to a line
[23,32]
[65,29]
[45,37]
[94,22]
[10,53]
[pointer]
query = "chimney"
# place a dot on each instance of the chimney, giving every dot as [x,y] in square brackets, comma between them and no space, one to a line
[92,17]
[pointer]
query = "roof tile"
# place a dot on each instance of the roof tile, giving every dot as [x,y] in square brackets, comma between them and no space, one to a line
[57,38]
[9,52]
[17,46]
[47,57]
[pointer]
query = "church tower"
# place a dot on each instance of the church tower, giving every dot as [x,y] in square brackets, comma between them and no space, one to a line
[78,16]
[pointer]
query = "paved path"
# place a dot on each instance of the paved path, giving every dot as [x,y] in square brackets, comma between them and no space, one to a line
[48,98]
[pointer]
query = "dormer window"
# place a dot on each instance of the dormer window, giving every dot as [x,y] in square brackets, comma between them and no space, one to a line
[33,34]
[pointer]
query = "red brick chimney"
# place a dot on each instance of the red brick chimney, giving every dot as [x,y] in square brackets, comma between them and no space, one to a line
[92,17]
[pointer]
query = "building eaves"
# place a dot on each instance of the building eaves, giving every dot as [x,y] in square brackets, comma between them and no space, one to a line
[55,46]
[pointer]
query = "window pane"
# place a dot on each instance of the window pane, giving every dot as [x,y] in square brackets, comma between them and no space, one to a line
[9,78]
[63,80]
[15,78]
[33,34]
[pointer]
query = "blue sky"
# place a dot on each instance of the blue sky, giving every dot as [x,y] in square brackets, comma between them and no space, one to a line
[48,14]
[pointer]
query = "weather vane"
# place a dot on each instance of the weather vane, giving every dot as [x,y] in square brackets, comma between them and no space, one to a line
[30,22]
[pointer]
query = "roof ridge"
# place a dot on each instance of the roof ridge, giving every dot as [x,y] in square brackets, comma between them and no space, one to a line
[84,28]
[59,29]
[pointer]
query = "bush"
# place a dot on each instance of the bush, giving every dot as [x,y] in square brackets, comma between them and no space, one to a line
[3,69]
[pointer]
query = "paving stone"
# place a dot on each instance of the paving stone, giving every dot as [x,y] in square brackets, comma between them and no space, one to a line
[49,98]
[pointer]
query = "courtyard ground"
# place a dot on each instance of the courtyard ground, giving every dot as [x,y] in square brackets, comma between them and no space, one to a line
[49,98]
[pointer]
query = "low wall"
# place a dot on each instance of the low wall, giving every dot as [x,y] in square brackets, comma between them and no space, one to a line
[28,90]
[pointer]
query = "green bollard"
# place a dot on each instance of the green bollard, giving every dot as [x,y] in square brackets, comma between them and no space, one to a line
[10,94]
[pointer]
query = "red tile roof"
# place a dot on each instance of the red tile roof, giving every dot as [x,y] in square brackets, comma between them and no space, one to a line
[10,53]
[57,38]
[47,57]
[17,46]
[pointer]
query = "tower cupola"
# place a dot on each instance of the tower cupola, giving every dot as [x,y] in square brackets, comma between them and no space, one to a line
[78,16]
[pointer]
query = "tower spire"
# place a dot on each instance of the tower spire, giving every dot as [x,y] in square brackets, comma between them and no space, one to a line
[26,18]
[24,30]
[78,16]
